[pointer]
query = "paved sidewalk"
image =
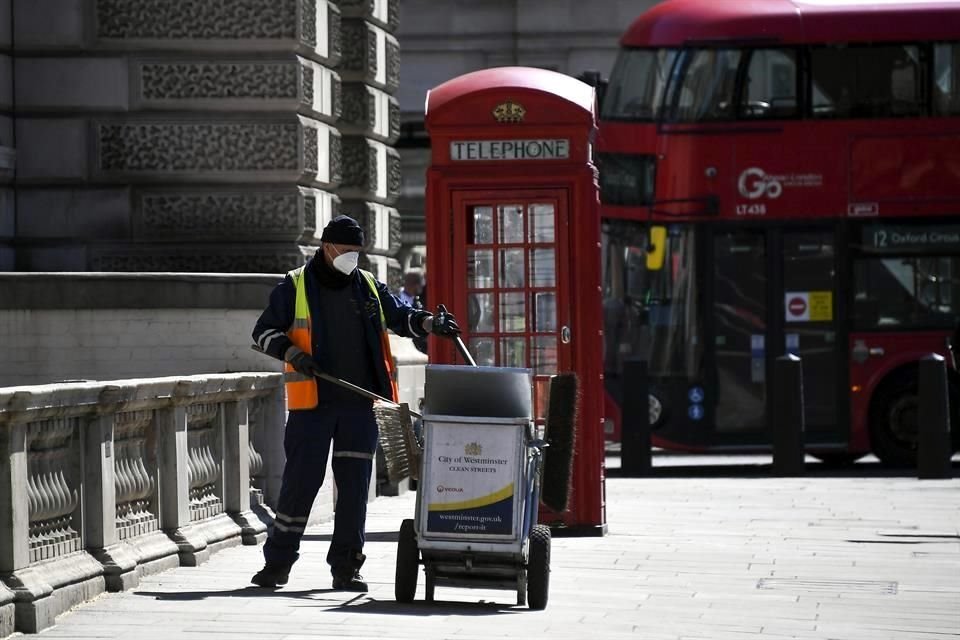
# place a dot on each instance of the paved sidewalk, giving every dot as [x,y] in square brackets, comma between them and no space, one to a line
[686,557]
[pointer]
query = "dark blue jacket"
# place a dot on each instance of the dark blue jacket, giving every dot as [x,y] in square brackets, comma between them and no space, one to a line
[273,324]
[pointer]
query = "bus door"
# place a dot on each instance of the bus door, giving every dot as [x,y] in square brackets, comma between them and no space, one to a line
[809,327]
[774,292]
[512,252]
[740,319]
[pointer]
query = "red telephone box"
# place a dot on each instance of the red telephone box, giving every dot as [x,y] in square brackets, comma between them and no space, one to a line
[513,242]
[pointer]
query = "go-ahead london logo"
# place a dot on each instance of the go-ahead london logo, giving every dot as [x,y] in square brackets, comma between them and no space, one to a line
[755,183]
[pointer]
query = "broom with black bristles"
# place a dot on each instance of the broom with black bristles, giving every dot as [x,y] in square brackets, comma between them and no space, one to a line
[561,435]
[401,451]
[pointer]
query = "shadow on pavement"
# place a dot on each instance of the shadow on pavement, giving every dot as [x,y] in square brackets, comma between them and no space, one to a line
[246,592]
[435,608]
[360,603]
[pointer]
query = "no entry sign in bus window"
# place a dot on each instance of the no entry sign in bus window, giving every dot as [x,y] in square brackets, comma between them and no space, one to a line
[808,306]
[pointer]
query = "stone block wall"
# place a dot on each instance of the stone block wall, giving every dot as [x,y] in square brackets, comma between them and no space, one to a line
[195,135]
[93,326]
[7,144]
[57,327]
[370,125]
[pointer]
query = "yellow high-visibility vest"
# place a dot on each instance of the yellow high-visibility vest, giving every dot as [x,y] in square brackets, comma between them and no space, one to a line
[301,389]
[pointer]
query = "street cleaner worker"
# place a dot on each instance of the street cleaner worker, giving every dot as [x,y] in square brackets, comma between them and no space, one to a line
[329,316]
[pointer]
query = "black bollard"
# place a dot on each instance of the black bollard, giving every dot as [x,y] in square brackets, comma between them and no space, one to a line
[933,428]
[635,420]
[788,420]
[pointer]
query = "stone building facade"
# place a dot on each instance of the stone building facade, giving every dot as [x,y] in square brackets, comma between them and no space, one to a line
[197,135]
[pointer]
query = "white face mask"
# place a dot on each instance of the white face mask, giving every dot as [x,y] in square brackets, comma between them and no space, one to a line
[345,263]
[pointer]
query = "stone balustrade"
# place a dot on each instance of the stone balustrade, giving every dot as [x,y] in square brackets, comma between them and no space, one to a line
[104,482]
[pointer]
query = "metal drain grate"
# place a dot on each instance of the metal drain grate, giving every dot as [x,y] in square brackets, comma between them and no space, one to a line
[799,584]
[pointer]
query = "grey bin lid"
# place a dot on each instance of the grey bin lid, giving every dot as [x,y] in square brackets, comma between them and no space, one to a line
[493,392]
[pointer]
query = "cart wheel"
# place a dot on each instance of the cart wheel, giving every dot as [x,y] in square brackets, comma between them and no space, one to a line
[408,561]
[538,567]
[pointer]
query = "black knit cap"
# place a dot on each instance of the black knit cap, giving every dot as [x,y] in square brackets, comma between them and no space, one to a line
[343,230]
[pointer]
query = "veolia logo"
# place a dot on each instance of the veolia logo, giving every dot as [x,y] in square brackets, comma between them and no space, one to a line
[755,183]
[443,489]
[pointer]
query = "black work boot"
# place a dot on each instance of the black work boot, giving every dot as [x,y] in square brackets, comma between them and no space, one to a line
[347,577]
[350,580]
[271,576]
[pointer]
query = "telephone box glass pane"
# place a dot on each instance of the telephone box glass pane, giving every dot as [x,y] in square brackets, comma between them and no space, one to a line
[541,222]
[479,268]
[513,352]
[511,223]
[480,312]
[511,268]
[542,268]
[482,225]
[544,354]
[543,305]
[512,313]
[541,400]
[482,351]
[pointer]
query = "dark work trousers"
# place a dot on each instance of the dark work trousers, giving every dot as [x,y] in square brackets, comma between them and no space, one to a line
[353,431]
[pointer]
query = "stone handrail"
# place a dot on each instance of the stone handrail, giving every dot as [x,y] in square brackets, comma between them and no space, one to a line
[104,482]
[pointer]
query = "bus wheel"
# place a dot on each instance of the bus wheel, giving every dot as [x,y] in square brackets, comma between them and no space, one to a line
[893,421]
[895,417]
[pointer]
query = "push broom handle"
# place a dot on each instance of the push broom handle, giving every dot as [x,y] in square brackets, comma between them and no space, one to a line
[462,348]
[349,385]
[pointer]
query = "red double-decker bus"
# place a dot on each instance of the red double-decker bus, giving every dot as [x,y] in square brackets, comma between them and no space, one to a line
[783,176]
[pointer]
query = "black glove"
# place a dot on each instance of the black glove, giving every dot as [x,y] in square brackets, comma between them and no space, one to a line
[444,324]
[305,364]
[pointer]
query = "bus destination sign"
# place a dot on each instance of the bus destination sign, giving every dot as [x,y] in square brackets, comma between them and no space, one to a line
[540,149]
[894,238]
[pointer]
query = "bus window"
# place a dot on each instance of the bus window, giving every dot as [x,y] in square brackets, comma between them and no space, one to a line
[946,75]
[626,179]
[771,85]
[906,293]
[625,327]
[637,83]
[674,307]
[704,87]
[878,81]
[651,314]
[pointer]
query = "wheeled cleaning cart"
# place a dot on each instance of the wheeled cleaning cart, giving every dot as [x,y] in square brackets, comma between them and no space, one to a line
[479,485]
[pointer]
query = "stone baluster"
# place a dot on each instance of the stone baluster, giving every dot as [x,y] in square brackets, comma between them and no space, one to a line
[55,500]
[103,482]
[236,477]
[176,476]
[268,440]
[255,411]
[135,485]
[16,504]
[204,462]
[54,463]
